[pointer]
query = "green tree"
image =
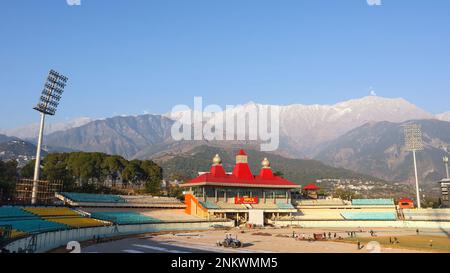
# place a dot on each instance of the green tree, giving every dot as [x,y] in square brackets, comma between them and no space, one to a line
[56,169]
[278,173]
[27,171]
[88,172]
[345,194]
[112,167]
[8,179]
[152,176]
[133,173]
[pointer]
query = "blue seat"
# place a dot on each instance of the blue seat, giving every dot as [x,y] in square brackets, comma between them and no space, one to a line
[15,213]
[373,202]
[369,216]
[124,218]
[209,205]
[93,198]
[34,225]
[285,206]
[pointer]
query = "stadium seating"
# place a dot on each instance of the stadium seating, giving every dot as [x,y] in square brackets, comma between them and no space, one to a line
[27,220]
[320,202]
[17,234]
[125,218]
[367,216]
[34,225]
[52,211]
[319,214]
[226,205]
[93,198]
[209,205]
[285,206]
[267,206]
[118,201]
[427,215]
[78,222]
[15,213]
[149,199]
[373,202]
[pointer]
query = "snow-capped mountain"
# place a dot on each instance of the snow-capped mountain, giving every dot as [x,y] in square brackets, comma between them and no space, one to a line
[307,126]
[30,131]
[305,130]
[304,127]
[444,116]
[379,149]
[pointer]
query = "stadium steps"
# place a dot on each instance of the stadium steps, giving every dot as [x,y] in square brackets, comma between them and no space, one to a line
[78,222]
[370,216]
[125,218]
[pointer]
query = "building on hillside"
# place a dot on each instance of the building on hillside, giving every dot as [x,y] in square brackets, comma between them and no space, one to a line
[239,195]
[445,186]
[311,191]
[406,203]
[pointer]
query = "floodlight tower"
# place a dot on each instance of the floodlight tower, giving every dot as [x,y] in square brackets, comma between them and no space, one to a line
[445,159]
[414,143]
[48,104]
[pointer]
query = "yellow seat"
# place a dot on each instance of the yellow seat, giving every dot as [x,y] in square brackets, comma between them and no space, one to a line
[77,222]
[46,212]
[16,233]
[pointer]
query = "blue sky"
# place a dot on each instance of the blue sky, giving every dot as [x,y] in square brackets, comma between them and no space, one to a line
[127,57]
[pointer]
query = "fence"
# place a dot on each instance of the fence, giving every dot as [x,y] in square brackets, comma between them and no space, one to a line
[362,224]
[45,242]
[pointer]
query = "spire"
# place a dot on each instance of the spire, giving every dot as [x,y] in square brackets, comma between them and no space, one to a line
[217,168]
[217,160]
[266,170]
[242,170]
[241,157]
[266,163]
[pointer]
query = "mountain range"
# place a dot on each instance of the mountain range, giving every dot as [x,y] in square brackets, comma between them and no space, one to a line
[302,171]
[12,148]
[378,149]
[30,131]
[306,131]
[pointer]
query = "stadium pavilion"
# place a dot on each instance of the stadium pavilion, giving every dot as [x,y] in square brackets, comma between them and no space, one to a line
[239,195]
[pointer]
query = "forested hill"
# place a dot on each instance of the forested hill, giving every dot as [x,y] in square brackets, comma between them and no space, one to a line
[300,171]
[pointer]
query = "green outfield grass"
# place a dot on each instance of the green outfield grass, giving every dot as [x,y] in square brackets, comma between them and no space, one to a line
[420,243]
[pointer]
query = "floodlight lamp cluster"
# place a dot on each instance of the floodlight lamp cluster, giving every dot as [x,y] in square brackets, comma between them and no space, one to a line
[413,137]
[52,93]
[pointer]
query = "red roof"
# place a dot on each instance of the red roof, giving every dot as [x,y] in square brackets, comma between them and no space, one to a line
[231,180]
[242,152]
[311,187]
[241,177]
[406,200]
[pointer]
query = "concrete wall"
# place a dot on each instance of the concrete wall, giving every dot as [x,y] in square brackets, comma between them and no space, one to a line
[363,224]
[51,240]
[256,217]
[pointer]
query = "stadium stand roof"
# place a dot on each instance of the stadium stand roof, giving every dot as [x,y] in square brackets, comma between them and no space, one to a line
[373,202]
[241,176]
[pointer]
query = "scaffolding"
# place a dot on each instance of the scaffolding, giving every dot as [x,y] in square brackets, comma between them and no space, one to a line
[45,191]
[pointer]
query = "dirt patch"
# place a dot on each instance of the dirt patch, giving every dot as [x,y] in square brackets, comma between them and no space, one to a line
[262,234]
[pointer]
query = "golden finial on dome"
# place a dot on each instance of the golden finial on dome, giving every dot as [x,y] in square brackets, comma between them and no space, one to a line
[266,163]
[217,160]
